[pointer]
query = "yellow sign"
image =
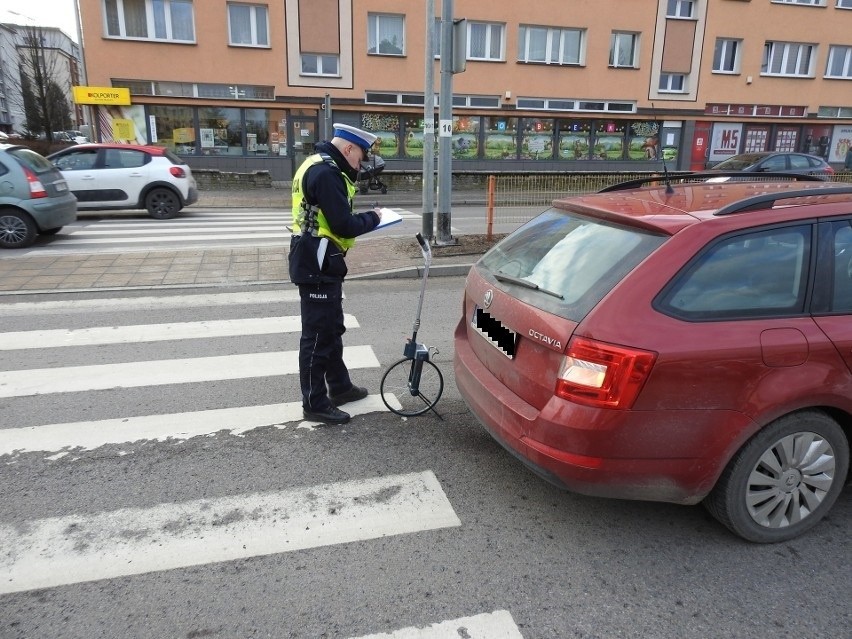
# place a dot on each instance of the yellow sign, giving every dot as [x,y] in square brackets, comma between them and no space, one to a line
[184,135]
[123,130]
[101,95]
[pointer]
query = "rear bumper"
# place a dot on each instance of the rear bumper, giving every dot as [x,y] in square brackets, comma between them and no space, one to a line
[671,456]
[191,196]
[51,213]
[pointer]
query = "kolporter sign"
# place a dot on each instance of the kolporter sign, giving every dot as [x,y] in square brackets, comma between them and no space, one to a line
[101,95]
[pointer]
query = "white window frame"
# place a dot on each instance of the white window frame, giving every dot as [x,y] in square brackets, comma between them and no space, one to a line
[492,30]
[726,44]
[784,54]
[811,3]
[617,44]
[555,50]
[321,60]
[844,4]
[845,52]
[684,9]
[256,32]
[151,21]
[673,83]
[375,31]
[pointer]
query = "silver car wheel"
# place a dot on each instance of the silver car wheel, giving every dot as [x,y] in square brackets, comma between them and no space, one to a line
[16,231]
[790,480]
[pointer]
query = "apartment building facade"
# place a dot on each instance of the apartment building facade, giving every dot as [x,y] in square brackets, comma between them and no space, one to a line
[553,85]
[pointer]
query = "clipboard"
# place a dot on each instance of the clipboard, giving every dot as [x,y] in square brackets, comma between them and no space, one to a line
[389,217]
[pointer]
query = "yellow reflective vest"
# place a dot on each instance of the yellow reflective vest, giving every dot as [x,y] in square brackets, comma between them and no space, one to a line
[309,218]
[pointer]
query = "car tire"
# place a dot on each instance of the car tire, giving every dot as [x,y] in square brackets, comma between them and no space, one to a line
[162,203]
[17,229]
[784,480]
[52,231]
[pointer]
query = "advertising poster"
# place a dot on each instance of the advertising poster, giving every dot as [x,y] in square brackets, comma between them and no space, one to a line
[841,144]
[725,141]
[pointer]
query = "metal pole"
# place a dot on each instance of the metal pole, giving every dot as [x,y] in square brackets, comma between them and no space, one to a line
[429,126]
[445,121]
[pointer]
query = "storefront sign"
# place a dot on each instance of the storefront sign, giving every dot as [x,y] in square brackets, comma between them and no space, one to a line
[102,95]
[756,110]
[725,141]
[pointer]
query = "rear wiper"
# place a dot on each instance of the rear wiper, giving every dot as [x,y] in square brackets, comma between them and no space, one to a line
[501,277]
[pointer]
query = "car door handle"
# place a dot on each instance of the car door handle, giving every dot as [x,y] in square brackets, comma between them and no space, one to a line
[88,176]
[135,175]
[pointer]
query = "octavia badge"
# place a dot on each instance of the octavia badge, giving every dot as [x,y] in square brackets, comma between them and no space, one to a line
[489,297]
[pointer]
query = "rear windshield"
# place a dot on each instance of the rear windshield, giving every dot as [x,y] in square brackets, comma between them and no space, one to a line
[564,263]
[32,160]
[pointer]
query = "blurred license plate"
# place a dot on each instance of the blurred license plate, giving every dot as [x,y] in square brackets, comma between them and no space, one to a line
[61,186]
[500,337]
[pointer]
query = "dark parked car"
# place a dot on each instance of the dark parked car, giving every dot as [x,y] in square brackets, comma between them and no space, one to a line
[777,162]
[683,345]
[34,197]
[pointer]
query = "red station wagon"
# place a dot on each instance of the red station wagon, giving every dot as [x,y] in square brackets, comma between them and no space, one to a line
[680,343]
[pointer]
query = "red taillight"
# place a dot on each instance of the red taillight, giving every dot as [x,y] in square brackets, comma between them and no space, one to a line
[36,187]
[177,171]
[603,375]
[829,170]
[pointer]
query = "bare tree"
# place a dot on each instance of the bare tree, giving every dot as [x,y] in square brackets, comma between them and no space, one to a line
[42,75]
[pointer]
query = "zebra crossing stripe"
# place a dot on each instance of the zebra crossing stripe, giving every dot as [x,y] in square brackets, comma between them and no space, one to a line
[57,551]
[90,435]
[175,238]
[139,333]
[494,625]
[106,304]
[71,379]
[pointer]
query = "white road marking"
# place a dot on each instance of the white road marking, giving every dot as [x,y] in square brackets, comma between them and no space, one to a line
[290,294]
[71,379]
[183,237]
[57,551]
[139,333]
[90,435]
[495,625]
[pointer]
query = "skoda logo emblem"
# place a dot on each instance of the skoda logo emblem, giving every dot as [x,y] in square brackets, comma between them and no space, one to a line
[489,297]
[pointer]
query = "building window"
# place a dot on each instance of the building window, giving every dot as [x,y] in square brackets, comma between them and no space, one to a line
[844,4]
[173,128]
[672,82]
[220,131]
[680,8]
[788,59]
[320,64]
[814,3]
[484,41]
[550,45]
[170,20]
[726,56]
[248,25]
[386,34]
[839,62]
[623,49]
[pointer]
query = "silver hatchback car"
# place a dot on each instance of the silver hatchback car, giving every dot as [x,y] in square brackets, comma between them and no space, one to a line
[34,197]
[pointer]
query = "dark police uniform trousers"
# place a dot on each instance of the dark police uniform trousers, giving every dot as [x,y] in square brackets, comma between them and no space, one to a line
[321,345]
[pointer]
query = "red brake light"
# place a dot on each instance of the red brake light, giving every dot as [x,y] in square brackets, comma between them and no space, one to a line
[177,171]
[36,187]
[829,170]
[603,375]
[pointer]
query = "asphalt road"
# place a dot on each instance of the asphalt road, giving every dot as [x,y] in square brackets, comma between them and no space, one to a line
[487,541]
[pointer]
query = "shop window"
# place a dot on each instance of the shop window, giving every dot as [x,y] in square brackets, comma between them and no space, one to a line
[168,20]
[644,141]
[173,128]
[414,137]
[623,50]
[537,139]
[501,138]
[266,132]
[248,25]
[609,140]
[220,131]
[726,56]
[386,34]
[574,139]
[386,129]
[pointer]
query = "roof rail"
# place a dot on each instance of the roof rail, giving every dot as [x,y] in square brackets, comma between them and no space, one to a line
[703,176]
[761,201]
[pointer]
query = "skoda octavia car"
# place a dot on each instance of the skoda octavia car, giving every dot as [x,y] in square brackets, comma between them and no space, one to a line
[686,343]
[777,162]
[127,176]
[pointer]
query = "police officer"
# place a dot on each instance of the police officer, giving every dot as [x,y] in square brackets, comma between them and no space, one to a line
[324,228]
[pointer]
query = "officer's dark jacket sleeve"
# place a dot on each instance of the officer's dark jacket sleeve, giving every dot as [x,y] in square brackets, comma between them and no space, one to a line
[326,186]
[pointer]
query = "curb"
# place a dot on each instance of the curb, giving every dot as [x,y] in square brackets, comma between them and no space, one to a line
[439,270]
